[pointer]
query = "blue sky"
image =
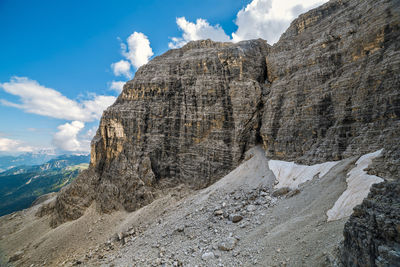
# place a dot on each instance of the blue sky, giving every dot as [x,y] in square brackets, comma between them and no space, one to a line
[59,59]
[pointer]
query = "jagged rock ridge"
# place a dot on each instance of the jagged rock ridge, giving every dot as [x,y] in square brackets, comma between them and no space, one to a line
[327,90]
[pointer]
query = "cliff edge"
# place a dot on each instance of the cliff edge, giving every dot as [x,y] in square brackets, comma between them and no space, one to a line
[328,90]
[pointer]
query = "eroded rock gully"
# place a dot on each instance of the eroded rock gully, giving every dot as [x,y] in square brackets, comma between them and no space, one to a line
[187,117]
[329,89]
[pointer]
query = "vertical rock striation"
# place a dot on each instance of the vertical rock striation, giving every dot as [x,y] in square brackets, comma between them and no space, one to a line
[188,117]
[327,90]
[372,234]
[335,79]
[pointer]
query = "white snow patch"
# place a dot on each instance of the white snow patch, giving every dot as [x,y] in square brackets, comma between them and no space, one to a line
[290,174]
[358,186]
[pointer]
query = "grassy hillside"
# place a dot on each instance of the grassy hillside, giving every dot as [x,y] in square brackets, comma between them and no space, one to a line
[7,162]
[20,186]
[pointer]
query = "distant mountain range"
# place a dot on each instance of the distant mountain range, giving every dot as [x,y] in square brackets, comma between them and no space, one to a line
[20,186]
[30,158]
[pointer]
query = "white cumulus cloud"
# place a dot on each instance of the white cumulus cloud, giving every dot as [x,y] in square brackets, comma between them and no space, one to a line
[197,31]
[67,137]
[70,137]
[137,50]
[117,86]
[122,67]
[10,145]
[38,99]
[268,19]
[96,106]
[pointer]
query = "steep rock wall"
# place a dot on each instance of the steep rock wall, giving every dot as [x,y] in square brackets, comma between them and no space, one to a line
[335,79]
[328,89]
[188,117]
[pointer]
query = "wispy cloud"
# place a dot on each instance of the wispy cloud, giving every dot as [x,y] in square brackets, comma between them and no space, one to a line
[70,137]
[97,105]
[38,99]
[11,145]
[137,52]
[268,19]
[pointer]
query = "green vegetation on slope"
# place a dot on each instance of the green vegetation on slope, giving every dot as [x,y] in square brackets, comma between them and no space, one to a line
[20,186]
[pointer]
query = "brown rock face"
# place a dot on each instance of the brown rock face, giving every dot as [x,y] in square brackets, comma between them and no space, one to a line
[188,117]
[335,79]
[327,90]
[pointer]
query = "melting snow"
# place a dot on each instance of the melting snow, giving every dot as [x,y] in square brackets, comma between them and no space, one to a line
[290,174]
[358,186]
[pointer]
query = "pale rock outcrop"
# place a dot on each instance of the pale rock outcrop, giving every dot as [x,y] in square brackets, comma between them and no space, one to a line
[327,90]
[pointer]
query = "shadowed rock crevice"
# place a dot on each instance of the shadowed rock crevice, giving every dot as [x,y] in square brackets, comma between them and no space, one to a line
[187,117]
[326,91]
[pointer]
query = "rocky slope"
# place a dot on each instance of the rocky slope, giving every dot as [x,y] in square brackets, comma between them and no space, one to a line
[326,91]
[241,220]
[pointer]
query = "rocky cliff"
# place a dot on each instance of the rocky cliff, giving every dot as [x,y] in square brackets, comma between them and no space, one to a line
[327,90]
[372,234]
[335,79]
[188,117]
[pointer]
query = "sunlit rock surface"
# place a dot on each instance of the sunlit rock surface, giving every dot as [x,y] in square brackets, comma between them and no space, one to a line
[329,89]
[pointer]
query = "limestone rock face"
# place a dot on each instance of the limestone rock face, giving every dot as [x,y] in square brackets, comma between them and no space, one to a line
[372,234]
[335,79]
[188,117]
[328,89]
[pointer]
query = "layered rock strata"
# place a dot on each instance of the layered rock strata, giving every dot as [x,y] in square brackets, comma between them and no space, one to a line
[372,234]
[187,117]
[335,79]
[327,90]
